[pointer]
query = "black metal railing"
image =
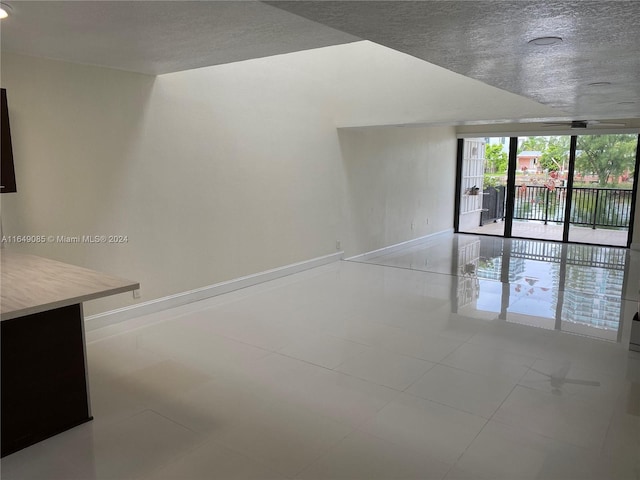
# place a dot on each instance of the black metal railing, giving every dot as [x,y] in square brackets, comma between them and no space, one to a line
[601,207]
[594,207]
[535,202]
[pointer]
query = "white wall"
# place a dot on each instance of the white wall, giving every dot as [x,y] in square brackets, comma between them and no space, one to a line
[212,173]
[400,184]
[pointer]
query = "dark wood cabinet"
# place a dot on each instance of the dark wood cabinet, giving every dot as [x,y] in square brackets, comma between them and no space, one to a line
[44,387]
[7,171]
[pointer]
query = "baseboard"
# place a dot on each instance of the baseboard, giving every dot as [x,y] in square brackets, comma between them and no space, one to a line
[112,317]
[398,246]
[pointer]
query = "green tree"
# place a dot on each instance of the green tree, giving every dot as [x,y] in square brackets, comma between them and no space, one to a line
[607,156]
[556,154]
[496,159]
[535,144]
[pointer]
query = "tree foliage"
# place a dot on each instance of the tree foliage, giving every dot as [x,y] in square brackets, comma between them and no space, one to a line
[555,154]
[607,156]
[496,159]
[536,144]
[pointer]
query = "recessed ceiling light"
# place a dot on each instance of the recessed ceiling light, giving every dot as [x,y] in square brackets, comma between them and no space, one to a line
[598,84]
[546,41]
[4,10]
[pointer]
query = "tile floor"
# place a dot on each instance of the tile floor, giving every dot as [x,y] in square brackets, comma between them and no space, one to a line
[551,231]
[406,367]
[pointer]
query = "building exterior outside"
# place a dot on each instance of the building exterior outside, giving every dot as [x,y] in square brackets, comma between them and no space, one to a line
[529,160]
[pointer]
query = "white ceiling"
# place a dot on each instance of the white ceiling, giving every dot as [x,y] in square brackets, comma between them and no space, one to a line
[156,37]
[365,84]
[483,40]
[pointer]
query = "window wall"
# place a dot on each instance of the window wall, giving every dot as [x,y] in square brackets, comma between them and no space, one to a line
[564,188]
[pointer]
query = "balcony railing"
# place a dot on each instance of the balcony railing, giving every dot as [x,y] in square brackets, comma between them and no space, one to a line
[594,207]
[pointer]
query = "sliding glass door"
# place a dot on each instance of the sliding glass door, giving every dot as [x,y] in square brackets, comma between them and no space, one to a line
[561,188]
[542,165]
[483,185]
[602,189]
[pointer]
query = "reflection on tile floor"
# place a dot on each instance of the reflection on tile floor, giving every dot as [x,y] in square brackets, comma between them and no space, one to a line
[363,371]
[575,288]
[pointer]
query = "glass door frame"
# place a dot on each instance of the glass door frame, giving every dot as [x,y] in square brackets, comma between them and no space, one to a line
[569,198]
[511,188]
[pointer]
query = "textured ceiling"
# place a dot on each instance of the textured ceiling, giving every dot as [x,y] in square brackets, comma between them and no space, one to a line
[156,37]
[488,41]
[484,40]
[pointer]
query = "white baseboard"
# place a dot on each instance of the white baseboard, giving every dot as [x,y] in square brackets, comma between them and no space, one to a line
[112,317]
[399,246]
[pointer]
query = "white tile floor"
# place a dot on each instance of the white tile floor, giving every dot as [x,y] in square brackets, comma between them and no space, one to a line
[352,371]
[552,231]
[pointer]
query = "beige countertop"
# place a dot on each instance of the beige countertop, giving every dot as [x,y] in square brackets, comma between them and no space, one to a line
[31,284]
